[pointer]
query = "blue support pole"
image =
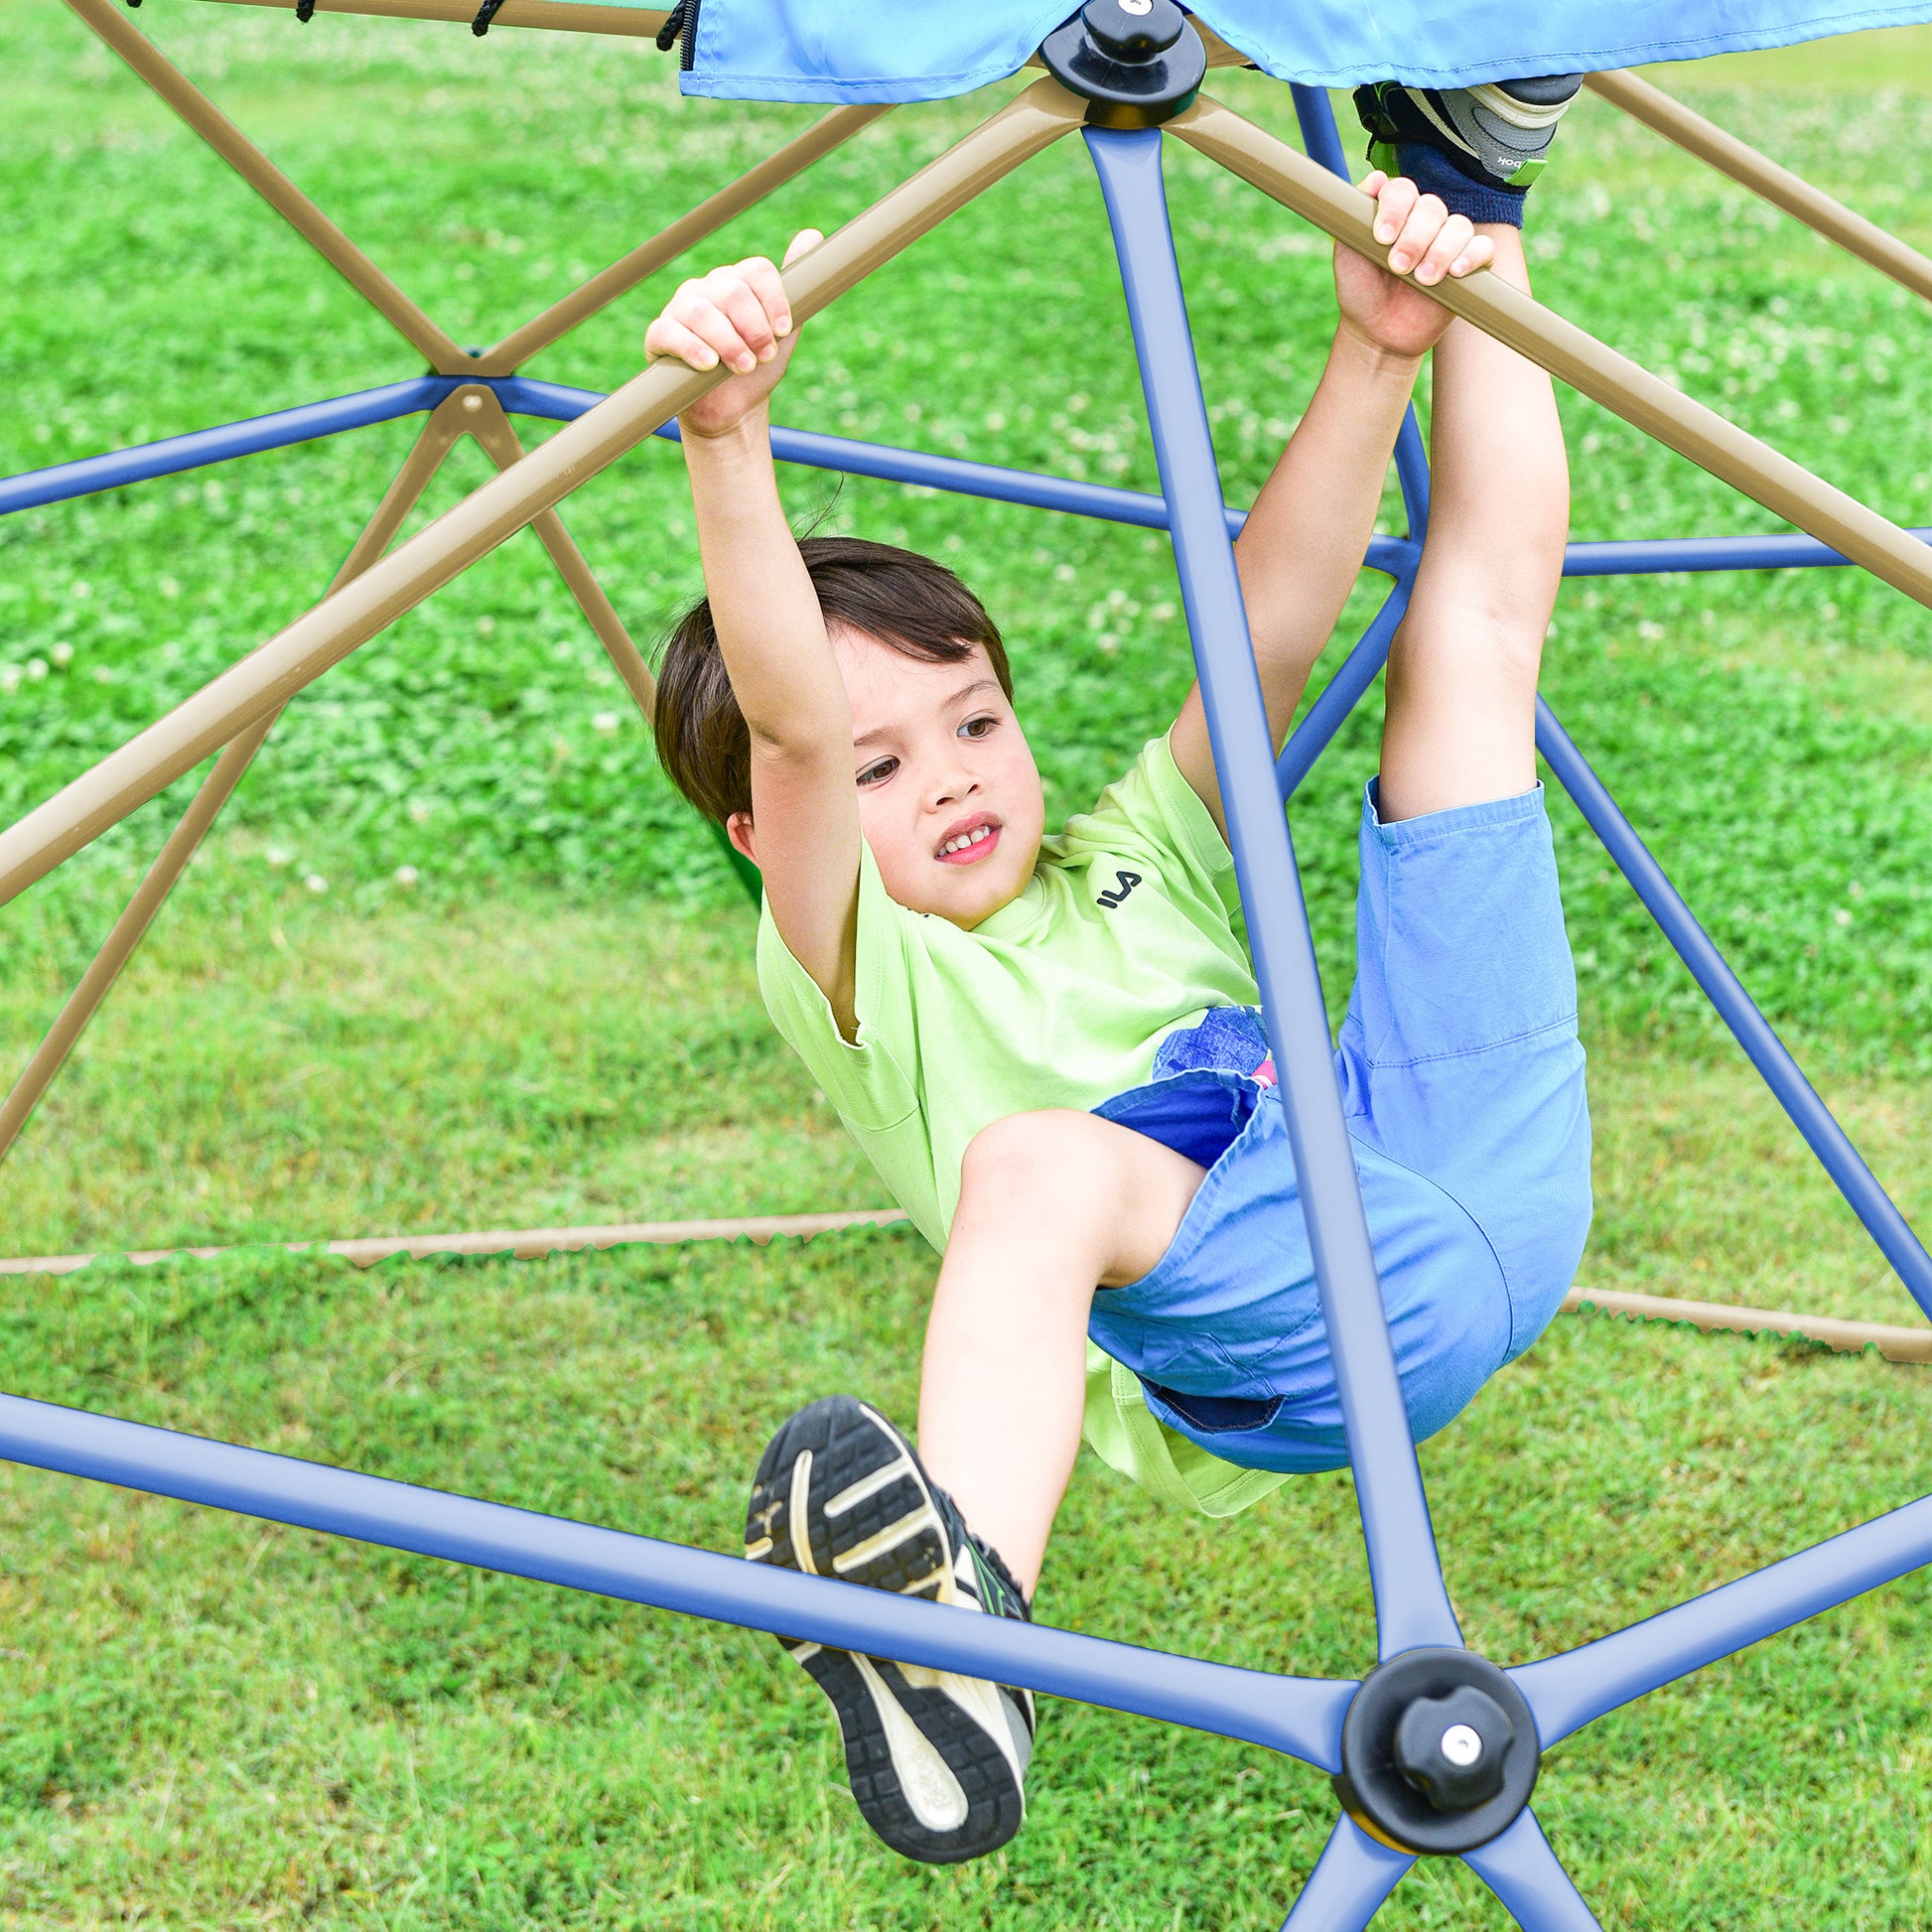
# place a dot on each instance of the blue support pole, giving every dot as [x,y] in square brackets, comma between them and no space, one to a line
[1522,1870]
[1578,1687]
[201,446]
[1350,1880]
[1298,1716]
[1344,691]
[1723,988]
[1411,1602]
[1647,556]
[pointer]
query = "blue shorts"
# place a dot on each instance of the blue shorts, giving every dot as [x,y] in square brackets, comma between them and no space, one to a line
[1463,1082]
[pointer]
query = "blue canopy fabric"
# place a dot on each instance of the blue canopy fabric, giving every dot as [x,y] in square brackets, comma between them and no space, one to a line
[927,50]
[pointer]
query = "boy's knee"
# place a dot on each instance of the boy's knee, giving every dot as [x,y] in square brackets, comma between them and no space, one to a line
[1022,1153]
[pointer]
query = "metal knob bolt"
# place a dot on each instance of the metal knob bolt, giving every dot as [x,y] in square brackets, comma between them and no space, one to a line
[1453,1748]
[1131,31]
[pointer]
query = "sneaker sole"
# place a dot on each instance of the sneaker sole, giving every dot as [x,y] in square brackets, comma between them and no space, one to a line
[929,1753]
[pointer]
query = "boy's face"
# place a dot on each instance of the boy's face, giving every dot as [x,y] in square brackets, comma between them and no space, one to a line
[949,795]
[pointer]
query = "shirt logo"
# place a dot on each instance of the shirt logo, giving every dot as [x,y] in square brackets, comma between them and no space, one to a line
[1126,881]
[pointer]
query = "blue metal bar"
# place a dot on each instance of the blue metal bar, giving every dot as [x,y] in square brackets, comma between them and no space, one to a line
[1526,1875]
[1297,1714]
[174,454]
[1645,555]
[1350,1880]
[1344,691]
[1768,1053]
[1321,139]
[1574,1689]
[1412,1604]
[816,451]
[554,402]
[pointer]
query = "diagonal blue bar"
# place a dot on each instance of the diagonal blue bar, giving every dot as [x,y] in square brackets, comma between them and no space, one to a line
[1527,1875]
[1768,1053]
[1344,691]
[1295,1714]
[1641,556]
[1411,1602]
[1350,1880]
[1569,1691]
[201,446]
[812,449]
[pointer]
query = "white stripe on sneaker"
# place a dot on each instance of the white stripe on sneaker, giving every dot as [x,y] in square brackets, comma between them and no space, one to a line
[931,1793]
[801,1498]
[890,1538]
[852,1498]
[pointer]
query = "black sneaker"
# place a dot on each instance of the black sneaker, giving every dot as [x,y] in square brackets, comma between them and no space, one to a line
[936,1760]
[1496,134]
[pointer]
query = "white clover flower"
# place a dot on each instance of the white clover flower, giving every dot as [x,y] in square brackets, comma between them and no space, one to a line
[419,810]
[277,854]
[61,654]
[9,679]
[36,668]
[605,721]
[316,883]
[407,875]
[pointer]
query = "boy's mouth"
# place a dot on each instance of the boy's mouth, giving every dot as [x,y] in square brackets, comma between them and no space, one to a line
[969,841]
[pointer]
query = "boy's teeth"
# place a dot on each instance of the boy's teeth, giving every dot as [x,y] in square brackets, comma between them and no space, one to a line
[974,837]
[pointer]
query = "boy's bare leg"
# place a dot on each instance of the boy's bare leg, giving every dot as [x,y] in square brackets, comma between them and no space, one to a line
[1461,723]
[1052,1205]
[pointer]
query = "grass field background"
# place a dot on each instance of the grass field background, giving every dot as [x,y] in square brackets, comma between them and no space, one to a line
[204,1722]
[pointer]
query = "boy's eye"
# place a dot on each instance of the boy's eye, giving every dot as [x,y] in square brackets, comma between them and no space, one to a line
[977,727]
[877,774]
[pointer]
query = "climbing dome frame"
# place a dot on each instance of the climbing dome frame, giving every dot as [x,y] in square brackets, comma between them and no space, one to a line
[1343,1728]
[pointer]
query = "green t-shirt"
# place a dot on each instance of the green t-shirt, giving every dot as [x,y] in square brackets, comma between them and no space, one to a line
[1130,926]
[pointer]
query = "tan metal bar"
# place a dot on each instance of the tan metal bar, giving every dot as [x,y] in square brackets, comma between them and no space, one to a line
[753,186]
[1764,177]
[638,23]
[324,636]
[1566,350]
[438,436]
[525,1244]
[1848,1337]
[315,227]
[504,447]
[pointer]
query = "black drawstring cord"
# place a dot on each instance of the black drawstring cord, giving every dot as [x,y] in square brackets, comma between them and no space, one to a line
[484,15]
[673,25]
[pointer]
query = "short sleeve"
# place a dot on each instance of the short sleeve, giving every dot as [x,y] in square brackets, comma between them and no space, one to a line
[1154,810]
[868,1080]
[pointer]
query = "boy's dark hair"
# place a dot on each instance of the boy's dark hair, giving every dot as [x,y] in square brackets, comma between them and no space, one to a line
[897,597]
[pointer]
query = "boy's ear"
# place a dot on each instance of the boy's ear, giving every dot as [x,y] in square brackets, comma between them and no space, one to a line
[738,828]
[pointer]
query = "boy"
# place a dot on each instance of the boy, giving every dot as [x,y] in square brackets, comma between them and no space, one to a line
[1049,1048]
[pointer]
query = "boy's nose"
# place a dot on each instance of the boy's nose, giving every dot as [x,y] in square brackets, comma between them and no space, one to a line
[950,787]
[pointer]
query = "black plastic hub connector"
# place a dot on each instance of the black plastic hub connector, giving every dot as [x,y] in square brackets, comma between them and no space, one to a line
[1139,61]
[1439,1752]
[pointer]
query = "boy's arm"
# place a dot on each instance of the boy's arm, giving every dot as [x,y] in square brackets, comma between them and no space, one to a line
[1303,546]
[805,805]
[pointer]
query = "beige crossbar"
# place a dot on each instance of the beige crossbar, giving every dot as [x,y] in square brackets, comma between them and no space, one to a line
[288,201]
[1598,371]
[438,435]
[638,23]
[528,1244]
[329,632]
[687,231]
[525,1244]
[504,447]
[1848,1337]
[1763,176]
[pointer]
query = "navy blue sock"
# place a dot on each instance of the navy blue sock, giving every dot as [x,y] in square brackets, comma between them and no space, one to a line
[1435,174]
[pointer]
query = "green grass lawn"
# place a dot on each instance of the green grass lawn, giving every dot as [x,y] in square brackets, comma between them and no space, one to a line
[209,1723]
